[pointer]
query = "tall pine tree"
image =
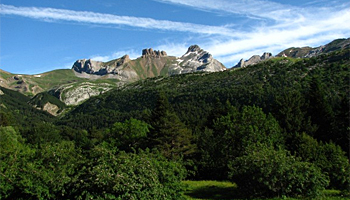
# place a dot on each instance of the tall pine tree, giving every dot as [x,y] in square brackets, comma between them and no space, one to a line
[168,134]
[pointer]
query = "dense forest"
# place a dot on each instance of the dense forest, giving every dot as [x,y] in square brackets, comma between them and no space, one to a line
[279,128]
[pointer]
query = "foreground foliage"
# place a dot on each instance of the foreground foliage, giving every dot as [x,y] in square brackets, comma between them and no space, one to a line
[63,171]
[265,172]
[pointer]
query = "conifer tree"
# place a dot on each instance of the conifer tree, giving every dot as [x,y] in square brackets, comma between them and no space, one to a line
[168,134]
[320,110]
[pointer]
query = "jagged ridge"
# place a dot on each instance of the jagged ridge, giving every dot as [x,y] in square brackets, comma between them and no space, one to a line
[152,63]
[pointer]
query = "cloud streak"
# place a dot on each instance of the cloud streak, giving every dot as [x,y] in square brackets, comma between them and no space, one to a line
[108,19]
[286,26]
[256,8]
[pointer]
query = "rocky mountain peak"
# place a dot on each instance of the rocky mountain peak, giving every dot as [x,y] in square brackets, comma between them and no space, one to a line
[126,57]
[266,55]
[122,60]
[196,59]
[146,53]
[193,48]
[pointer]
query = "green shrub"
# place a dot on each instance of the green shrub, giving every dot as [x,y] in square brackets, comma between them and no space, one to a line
[265,172]
[120,175]
[329,157]
[130,134]
[333,162]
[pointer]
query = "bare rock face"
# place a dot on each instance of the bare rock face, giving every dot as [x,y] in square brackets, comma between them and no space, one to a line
[116,69]
[72,94]
[196,59]
[88,66]
[149,53]
[99,68]
[51,108]
[253,60]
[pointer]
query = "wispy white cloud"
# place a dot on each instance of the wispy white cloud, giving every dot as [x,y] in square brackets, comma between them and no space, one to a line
[257,8]
[133,54]
[174,49]
[287,26]
[51,14]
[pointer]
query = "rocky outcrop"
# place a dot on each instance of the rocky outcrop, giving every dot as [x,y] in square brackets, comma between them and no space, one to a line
[51,108]
[149,53]
[253,60]
[73,94]
[194,60]
[99,68]
[89,66]
[115,69]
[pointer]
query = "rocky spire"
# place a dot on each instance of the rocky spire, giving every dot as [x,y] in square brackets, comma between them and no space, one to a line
[193,48]
[155,54]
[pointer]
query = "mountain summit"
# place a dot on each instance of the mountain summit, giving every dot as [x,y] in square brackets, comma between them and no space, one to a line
[196,59]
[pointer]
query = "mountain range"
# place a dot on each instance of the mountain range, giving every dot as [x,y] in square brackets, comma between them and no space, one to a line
[89,78]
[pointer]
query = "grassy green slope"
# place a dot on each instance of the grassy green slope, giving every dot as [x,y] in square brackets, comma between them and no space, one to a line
[56,77]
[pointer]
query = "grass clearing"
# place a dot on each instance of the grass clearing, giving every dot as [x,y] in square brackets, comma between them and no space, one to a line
[224,190]
[210,190]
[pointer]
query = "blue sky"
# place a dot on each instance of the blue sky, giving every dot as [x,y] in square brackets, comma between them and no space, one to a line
[40,35]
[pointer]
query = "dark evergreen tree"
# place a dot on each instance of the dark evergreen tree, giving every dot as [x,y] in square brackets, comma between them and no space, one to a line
[320,110]
[341,125]
[290,110]
[168,134]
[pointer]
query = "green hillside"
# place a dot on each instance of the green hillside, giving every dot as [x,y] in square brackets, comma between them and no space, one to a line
[18,111]
[194,96]
[56,77]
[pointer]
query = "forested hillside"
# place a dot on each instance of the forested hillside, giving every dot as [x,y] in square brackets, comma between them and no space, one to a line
[277,129]
[304,95]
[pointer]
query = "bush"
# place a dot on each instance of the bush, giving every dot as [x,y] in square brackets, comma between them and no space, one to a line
[329,157]
[265,172]
[333,162]
[120,175]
